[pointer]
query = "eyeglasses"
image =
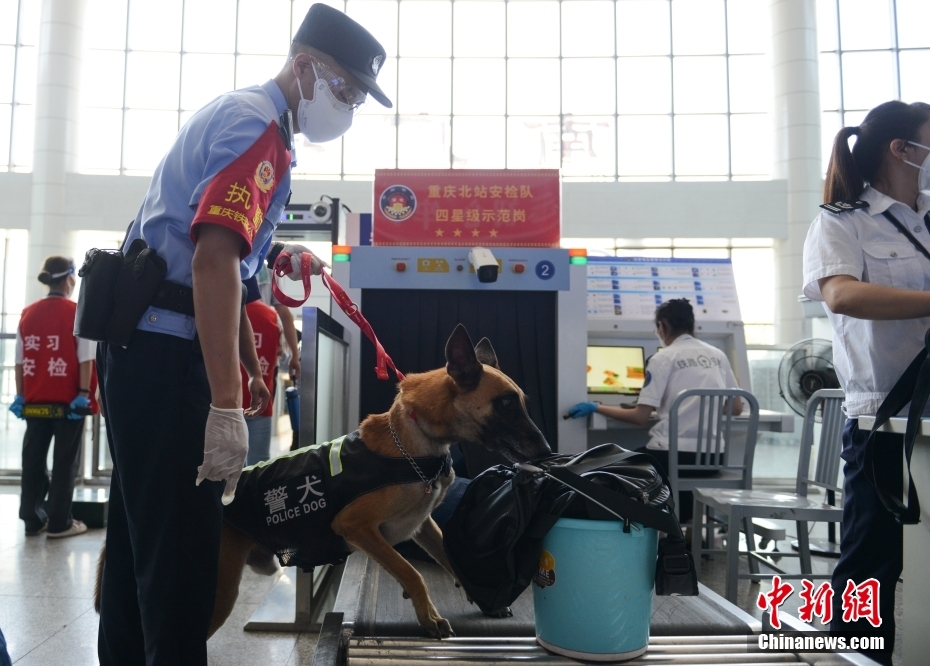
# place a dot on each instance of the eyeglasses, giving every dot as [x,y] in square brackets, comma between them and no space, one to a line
[343,91]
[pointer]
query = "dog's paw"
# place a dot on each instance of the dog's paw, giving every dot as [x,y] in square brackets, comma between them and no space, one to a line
[439,628]
[501,612]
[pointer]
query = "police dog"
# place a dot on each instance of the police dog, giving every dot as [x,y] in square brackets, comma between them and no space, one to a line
[470,401]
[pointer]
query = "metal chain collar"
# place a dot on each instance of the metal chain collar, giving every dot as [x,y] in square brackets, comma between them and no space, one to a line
[413,463]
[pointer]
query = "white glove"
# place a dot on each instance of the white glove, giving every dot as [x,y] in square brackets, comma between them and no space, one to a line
[296,250]
[226,444]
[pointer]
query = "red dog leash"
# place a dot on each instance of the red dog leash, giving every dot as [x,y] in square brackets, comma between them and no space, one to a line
[282,266]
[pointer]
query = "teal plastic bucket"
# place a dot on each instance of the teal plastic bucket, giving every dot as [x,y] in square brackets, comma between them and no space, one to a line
[592,593]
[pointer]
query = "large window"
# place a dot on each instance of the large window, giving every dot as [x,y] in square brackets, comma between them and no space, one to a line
[753,268]
[149,64]
[19,31]
[603,89]
[871,51]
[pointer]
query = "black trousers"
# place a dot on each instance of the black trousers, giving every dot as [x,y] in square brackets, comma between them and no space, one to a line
[685,497]
[873,542]
[33,509]
[163,531]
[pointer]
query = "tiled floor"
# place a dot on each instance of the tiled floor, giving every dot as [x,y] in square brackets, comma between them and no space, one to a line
[46,603]
[47,616]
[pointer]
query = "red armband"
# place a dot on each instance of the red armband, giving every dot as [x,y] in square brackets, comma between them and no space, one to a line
[238,196]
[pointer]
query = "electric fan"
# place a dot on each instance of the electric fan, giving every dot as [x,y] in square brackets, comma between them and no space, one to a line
[806,368]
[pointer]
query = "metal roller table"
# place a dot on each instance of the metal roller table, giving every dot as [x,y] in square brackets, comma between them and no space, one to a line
[373,625]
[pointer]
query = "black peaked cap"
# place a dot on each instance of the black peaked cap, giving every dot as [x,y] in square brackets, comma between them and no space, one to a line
[353,47]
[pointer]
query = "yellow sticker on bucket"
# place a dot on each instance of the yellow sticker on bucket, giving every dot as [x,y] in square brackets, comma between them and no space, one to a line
[545,574]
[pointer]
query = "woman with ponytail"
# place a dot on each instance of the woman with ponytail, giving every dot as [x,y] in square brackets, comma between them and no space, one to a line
[867,257]
[52,368]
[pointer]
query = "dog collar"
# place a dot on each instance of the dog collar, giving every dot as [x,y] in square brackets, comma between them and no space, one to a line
[413,463]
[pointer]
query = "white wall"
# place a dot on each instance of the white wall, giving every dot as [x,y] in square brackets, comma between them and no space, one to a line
[736,209]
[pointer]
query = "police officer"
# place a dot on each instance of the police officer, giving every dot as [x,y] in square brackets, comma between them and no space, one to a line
[874,280]
[52,367]
[173,404]
[684,363]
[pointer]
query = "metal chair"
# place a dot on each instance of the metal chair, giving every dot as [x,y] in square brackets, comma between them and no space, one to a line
[720,461]
[744,505]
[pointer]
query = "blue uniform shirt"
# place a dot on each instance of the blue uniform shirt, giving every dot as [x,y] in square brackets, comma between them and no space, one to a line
[229,165]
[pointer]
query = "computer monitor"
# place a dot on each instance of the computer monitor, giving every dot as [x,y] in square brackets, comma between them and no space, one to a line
[618,370]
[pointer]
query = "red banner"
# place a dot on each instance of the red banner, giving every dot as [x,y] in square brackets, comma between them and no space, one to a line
[464,207]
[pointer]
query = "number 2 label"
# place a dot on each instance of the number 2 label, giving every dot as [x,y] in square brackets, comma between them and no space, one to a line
[545,270]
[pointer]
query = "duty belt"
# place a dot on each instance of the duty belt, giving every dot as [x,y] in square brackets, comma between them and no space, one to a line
[175,297]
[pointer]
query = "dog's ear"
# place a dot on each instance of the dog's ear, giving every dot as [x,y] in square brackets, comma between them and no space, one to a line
[485,353]
[461,361]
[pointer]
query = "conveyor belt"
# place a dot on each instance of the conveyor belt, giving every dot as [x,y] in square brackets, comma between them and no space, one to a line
[372,603]
[678,650]
[373,625]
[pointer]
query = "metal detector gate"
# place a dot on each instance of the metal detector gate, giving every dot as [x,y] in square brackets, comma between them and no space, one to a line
[297,600]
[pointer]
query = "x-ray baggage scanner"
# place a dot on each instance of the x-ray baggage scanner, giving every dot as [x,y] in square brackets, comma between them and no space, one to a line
[533,314]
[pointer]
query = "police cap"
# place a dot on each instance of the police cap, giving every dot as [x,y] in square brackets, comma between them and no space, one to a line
[353,47]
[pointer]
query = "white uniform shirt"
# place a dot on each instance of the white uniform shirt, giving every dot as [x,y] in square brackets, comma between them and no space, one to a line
[870,356]
[687,363]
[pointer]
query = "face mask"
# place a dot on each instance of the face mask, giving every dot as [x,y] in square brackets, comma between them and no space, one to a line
[923,177]
[322,118]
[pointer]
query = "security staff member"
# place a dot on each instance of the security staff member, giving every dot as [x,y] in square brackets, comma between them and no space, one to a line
[174,410]
[52,367]
[684,363]
[267,332]
[876,285]
[263,279]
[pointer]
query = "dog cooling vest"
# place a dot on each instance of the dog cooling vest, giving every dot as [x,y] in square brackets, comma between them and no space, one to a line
[287,504]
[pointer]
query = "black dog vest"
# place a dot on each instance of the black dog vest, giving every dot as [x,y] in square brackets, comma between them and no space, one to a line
[287,504]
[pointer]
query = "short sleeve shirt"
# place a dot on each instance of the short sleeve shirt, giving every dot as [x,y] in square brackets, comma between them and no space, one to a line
[869,356]
[687,363]
[229,166]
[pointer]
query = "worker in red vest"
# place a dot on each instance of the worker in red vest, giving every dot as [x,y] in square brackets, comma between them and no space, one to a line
[52,367]
[267,329]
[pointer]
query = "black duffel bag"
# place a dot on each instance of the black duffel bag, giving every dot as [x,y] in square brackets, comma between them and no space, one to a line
[494,539]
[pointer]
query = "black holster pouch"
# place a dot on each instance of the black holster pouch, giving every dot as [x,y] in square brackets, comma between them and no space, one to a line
[675,574]
[95,301]
[140,275]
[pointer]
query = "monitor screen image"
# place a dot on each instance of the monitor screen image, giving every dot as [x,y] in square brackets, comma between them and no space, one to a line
[616,370]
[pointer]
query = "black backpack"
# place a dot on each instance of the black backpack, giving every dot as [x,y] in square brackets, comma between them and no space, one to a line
[494,538]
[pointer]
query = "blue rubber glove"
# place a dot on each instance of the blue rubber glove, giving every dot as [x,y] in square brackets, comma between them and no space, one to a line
[17,406]
[80,402]
[582,409]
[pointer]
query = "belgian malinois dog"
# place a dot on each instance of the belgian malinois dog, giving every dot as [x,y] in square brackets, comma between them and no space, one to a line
[470,401]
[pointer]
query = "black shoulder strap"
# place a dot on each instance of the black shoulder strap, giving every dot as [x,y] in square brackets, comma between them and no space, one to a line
[600,456]
[913,387]
[617,503]
[904,230]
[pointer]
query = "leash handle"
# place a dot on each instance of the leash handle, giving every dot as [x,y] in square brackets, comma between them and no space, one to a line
[282,267]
